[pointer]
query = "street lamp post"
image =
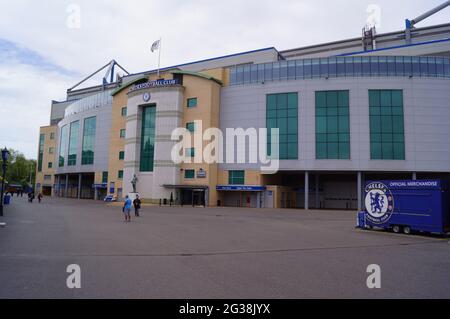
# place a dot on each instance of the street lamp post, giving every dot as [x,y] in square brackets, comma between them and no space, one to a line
[5,156]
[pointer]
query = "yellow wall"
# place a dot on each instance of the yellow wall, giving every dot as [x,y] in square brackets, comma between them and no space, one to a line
[207,93]
[48,143]
[116,144]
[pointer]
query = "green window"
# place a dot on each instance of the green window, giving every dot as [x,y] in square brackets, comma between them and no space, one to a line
[50,165]
[63,145]
[52,135]
[121,155]
[41,151]
[87,155]
[73,143]
[122,133]
[190,126]
[148,138]
[192,102]
[236,177]
[282,113]
[190,152]
[387,136]
[120,174]
[104,177]
[189,174]
[332,125]
[124,111]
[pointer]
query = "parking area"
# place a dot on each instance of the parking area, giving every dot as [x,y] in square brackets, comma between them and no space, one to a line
[186,252]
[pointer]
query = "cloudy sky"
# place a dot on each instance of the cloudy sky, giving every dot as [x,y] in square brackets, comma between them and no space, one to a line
[45,48]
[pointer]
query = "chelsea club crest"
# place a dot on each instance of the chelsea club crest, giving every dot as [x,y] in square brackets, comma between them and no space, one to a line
[379,203]
[146,97]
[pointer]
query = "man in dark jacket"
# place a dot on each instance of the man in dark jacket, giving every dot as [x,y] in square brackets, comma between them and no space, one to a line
[137,205]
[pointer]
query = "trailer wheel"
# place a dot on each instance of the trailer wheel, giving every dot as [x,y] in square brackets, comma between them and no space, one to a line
[407,230]
[396,229]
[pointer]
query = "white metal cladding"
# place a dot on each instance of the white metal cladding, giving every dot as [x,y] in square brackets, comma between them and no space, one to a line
[426,117]
[89,103]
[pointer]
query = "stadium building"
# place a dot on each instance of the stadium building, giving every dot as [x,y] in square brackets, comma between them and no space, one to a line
[373,107]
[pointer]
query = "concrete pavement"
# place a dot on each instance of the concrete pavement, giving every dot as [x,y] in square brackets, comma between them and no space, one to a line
[174,252]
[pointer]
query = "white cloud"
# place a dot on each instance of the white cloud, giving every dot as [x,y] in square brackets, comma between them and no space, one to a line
[191,30]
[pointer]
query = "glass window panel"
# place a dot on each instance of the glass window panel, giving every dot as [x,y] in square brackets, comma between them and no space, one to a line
[416,66]
[332,111]
[322,138]
[375,137]
[293,100]
[254,73]
[332,99]
[399,66]
[268,72]
[344,126]
[357,69]
[292,151]
[374,98]
[291,70]
[387,150]
[382,65]
[391,66]
[397,98]
[332,67]
[340,67]
[321,151]
[307,69]
[385,110]
[332,124]
[344,137]
[375,151]
[397,122]
[370,66]
[233,76]
[440,67]
[398,138]
[283,70]
[385,98]
[271,113]
[323,67]
[247,74]
[276,71]
[343,98]
[407,62]
[374,111]
[333,138]
[260,73]
[375,124]
[321,124]
[315,68]
[239,75]
[321,99]
[282,101]
[386,124]
[333,150]
[431,66]
[423,66]
[299,69]
[344,150]
[399,151]
[349,66]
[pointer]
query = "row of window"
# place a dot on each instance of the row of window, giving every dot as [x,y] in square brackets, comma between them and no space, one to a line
[341,67]
[332,116]
[68,146]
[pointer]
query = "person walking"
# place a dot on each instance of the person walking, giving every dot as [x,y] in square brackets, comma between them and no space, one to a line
[40,197]
[127,208]
[137,205]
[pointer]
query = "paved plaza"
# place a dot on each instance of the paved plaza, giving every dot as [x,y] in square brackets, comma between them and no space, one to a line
[186,252]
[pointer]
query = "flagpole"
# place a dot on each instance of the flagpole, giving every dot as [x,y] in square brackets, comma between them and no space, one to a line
[159,55]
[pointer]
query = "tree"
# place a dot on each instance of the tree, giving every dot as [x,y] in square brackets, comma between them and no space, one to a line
[20,168]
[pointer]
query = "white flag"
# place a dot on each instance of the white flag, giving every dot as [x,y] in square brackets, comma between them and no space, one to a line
[155,45]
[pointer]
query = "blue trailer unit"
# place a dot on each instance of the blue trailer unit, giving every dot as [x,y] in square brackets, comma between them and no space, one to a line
[407,205]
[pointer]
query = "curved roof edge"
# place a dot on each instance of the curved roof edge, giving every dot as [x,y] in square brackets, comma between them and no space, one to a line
[197,74]
[121,88]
